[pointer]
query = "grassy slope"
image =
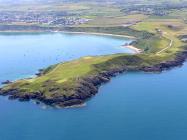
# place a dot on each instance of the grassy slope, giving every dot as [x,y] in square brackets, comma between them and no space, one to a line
[61,79]
[65,76]
[62,74]
[170,33]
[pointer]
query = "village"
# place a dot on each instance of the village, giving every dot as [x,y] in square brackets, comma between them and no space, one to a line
[46,18]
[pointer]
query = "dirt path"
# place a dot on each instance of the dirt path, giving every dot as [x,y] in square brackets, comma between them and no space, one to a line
[168,47]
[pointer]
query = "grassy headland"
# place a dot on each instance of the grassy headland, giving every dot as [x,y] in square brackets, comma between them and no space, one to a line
[72,83]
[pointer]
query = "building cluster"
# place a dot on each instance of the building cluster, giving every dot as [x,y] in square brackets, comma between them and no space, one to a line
[157,10]
[50,18]
[147,11]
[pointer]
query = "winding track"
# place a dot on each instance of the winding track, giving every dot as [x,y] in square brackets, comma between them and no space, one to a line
[168,47]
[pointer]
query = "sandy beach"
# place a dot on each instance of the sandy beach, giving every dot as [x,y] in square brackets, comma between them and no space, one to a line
[133,48]
[93,33]
[69,32]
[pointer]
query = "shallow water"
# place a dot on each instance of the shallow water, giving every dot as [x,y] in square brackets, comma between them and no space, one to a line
[133,106]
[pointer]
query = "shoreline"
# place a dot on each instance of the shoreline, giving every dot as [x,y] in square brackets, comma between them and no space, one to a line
[68,32]
[89,86]
[136,50]
[94,33]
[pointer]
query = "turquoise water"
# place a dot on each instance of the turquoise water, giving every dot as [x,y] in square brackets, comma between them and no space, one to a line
[133,106]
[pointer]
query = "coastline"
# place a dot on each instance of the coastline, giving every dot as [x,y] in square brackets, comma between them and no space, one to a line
[88,86]
[68,32]
[136,50]
[94,33]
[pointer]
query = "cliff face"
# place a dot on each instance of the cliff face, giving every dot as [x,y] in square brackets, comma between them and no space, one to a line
[178,61]
[88,86]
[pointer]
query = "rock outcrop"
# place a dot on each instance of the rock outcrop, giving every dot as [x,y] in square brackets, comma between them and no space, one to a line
[88,86]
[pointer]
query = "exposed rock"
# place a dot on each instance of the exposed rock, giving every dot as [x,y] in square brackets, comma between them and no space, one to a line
[6,82]
[178,61]
[88,86]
